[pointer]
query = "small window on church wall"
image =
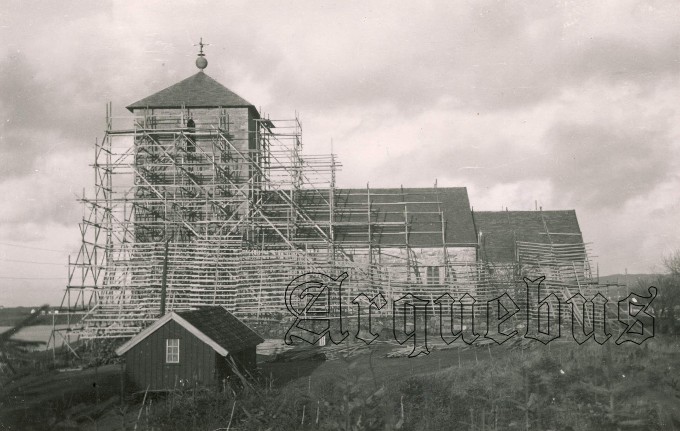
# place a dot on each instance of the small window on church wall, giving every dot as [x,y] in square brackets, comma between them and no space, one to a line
[172,351]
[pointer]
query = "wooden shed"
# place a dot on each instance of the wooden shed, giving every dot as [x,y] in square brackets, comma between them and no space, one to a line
[185,349]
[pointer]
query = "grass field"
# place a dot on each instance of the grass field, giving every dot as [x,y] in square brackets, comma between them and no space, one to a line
[562,386]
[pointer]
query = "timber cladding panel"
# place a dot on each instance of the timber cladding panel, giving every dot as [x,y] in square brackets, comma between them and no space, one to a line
[146,366]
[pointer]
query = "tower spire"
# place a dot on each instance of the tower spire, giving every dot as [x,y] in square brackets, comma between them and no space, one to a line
[201,61]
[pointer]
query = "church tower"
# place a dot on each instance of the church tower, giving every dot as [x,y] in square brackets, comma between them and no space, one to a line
[199,200]
[197,142]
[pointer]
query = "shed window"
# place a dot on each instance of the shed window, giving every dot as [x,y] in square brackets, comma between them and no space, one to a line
[433,275]
[172,351]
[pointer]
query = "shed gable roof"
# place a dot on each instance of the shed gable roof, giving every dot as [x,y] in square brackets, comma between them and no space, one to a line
[215,326]
[222,327]
[196,91]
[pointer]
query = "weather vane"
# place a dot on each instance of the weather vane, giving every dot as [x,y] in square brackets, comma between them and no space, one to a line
[201,61]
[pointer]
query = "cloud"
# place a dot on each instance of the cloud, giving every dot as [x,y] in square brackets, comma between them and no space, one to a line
[486,56]
[625,59]
[36,118]
[569,103]
[606,164]
[23,96]
[637,235]
[49,192]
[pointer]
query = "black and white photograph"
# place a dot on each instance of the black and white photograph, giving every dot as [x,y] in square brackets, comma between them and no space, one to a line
[340,215]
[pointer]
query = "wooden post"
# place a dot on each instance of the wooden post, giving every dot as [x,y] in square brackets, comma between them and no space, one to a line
[122,383]
[54,340]
[164,278]
[370,235]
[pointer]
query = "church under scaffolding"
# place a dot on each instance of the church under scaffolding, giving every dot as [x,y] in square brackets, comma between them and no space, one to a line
[201,200]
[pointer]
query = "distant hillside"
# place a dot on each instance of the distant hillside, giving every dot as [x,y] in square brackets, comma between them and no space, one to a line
[637,283]
[10,316]
[629,280]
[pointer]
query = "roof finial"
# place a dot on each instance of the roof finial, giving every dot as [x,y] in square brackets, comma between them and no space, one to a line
[201,61]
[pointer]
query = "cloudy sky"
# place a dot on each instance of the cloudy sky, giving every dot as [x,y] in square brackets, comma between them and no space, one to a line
[573,104]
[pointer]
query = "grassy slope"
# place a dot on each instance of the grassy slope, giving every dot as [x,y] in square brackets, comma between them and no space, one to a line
[561,386]
[564,386]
